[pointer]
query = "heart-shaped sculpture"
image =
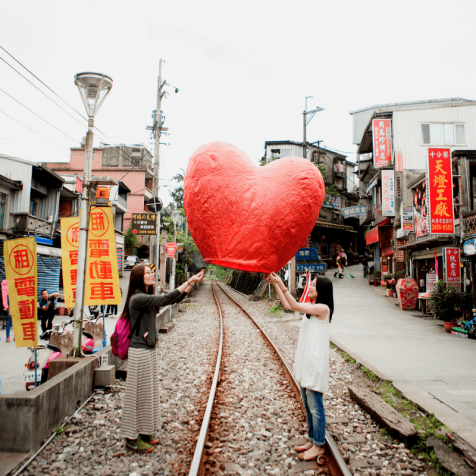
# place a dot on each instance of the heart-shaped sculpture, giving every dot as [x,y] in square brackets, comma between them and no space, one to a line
[247,217]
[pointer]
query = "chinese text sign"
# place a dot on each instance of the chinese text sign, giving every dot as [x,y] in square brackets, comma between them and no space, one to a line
[20,269]
[452,265]
[407,218]
[171,249]
[69,259]
[382,142]
[372,236]
[144,224]
[388,193]
[398,162]
[440,191]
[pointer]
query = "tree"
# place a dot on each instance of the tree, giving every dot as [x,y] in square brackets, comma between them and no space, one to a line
[177,193]
[131,242]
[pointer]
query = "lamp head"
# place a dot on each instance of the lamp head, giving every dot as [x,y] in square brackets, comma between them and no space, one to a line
[94,88]
[175,216]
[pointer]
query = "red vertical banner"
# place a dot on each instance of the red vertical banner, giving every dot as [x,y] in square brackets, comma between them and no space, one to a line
[398,162]
[382,142]
[452,265]
[440,191]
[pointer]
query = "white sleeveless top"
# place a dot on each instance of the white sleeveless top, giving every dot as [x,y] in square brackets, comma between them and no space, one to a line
[311,365]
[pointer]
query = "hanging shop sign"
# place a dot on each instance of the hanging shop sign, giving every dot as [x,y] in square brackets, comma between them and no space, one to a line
[420,210]
[452,265]
[171,249]
[407,218]
[69,258]
[382,142]
[388,193]
[440,191]
[20,269]
[431,280]
[144,224]
[359,211]
[388,251]
[398,162]
[469,247]
[372,236]
[313,268]
[102,275]
[331,202]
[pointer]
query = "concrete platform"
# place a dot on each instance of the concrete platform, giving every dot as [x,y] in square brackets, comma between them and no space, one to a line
[9,461]
[432,368]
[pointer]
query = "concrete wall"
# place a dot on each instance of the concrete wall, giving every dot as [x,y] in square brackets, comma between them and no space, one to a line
[27,418]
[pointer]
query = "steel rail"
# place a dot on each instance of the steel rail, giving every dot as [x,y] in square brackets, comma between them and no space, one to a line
[197,467]
[336,463]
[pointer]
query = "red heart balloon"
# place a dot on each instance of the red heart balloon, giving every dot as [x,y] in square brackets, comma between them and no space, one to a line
[247,217]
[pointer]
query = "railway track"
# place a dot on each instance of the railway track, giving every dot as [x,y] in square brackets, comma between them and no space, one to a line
[267,447]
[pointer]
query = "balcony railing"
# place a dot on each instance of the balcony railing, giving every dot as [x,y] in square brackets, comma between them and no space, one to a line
[25,223]
[122,202]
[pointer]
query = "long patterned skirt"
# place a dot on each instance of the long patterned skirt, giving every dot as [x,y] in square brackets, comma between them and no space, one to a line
[141,412]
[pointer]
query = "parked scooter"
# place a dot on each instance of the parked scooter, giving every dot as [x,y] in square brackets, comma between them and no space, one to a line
[93,331]
[59,345]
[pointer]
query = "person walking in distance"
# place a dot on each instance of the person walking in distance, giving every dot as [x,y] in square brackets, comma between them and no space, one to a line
[340,266]
[141,413]
[311,365]
[365,264]
[47,310]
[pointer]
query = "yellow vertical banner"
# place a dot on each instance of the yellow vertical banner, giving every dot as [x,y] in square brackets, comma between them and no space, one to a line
[69,260]
[102,272]
[20,268]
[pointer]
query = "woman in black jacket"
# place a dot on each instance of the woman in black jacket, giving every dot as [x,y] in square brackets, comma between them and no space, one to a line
[141,413]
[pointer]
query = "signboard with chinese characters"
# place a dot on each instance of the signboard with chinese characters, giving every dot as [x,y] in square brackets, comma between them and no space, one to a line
[469,247]
[102,274]
[144,223]
[69,259]
[431,280]
[331,202]
[407,218]
[388,193]
[313,268]
[440,191]
[372,236]
[382,142]
[398,162]
[20,269]
[358,211]
[171,248]
[452,265]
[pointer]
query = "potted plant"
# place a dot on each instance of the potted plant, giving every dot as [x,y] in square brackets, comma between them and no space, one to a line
[389,282]
[448,303]
[375,276]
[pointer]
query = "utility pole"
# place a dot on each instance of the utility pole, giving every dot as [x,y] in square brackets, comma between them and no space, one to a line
[305,122]
[156,129]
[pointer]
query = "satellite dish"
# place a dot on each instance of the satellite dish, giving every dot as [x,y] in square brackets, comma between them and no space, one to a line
[155,204]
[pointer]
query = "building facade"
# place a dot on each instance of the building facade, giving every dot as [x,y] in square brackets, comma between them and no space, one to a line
[414,127]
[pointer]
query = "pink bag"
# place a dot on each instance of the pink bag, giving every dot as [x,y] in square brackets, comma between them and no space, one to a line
[120,339]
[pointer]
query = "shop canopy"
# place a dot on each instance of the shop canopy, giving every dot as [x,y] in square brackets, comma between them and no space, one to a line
[326,224]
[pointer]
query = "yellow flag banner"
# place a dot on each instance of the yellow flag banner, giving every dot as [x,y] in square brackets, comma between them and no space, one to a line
[69,248]
[20,268]
[102,271]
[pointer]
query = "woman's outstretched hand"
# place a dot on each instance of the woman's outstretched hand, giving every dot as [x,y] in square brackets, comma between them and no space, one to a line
[273,278]
[197,278]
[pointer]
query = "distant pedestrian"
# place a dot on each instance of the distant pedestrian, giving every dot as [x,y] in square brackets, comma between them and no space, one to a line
[311,367]
[112,310]
[340,266]
[47,310]
[365,264]
[141,414]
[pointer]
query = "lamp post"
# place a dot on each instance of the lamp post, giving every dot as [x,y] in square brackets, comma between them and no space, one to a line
[93,88]
[175,219]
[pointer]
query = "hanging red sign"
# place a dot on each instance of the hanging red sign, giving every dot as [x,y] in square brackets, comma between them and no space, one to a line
[382,142]
[398,162]
[171,248]
[372,236]
[452,265]
[440,191]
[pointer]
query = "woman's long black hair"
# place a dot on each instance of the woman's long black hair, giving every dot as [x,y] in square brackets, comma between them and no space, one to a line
[325,294]
[136,283]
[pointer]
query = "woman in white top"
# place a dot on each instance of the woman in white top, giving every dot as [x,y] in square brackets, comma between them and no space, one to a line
[311,366]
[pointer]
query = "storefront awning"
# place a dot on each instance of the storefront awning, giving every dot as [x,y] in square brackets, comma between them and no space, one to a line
[428,241]
[326,224]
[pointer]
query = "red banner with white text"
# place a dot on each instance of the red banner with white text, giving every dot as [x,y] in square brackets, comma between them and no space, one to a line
[382,142]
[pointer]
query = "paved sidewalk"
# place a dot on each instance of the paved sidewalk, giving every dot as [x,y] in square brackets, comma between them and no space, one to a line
[432,368]
[13,360]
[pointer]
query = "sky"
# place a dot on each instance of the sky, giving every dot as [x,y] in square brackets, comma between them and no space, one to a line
[243,70]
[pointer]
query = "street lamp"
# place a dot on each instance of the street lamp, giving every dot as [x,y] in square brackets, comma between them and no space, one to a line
[93,88]
[175,218]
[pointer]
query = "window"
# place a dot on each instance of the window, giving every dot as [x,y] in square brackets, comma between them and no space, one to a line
[443,134]
[3,206]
